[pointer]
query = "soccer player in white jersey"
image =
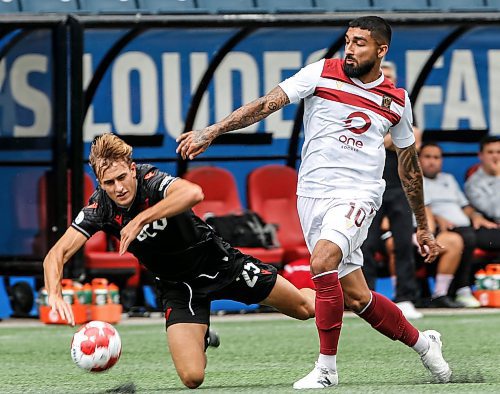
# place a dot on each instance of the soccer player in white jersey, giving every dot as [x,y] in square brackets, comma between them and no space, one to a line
[349,108]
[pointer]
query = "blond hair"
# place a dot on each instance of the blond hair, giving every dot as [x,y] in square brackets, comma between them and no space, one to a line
[107,149]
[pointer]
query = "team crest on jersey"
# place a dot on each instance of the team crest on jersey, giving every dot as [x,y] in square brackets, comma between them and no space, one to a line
[386,102]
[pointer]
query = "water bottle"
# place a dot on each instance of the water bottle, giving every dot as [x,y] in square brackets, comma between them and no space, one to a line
[114,293]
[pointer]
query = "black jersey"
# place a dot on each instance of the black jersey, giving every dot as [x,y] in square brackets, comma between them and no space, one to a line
[179,248]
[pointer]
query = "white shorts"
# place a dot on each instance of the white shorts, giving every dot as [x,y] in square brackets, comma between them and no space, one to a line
[343,222]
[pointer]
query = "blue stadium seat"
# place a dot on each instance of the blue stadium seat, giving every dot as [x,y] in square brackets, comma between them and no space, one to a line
[9,6]
[342,5]
[398,5]
[171,7]
[459,5]
[288,6]
[229,7]
[109,6]
[63,6]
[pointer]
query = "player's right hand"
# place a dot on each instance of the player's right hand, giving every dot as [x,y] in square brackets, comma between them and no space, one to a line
[428,246]
[193,143]
[62,308]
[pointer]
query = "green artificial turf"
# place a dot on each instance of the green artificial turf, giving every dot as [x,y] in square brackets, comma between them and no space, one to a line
[260,356]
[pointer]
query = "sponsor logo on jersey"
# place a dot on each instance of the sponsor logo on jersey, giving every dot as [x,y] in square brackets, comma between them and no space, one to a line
[149,175]
[351,143]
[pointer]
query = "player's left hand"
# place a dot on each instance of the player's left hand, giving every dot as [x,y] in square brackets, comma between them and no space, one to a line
[429,248]
[193,143]
[128,234]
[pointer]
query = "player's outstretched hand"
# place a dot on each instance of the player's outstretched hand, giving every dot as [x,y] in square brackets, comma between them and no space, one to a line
[128,234]
[429,248]
[62,308]
[193,143]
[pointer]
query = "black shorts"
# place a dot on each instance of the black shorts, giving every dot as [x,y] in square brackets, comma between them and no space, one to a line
[185,302]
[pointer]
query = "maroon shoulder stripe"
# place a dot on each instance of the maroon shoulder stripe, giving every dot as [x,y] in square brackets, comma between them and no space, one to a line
[357,101]
[333,70]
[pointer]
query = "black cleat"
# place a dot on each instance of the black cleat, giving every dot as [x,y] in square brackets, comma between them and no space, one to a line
[445,302]
[213,338]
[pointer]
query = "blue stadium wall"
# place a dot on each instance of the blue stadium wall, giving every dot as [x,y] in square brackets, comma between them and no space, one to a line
[148,90]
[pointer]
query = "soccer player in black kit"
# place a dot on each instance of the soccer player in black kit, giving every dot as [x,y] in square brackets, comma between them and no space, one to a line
[150,212]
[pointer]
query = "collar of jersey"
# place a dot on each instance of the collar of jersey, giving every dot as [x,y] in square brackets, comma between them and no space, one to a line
[368,85]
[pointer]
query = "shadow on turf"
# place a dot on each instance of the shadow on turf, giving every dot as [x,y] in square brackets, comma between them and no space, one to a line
[467,377]
[127,388]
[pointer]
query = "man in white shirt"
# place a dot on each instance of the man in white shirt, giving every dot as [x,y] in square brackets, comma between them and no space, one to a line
[349,108]
[483,186]
[452,212]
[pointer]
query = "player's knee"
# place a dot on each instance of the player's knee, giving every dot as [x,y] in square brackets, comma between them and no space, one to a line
[192,379]
[305,310]
[357,301]
[323,261]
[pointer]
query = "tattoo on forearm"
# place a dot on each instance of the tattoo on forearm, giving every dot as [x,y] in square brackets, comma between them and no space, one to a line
[252,112]
[411,179]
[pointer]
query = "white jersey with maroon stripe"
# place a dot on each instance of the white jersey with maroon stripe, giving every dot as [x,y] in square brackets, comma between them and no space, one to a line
[345,122]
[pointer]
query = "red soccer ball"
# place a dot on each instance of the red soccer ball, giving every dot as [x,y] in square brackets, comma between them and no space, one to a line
[96,346]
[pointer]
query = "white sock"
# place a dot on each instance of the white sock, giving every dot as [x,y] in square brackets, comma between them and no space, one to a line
[422,344]
[442,285]
[464,291]
[328,361]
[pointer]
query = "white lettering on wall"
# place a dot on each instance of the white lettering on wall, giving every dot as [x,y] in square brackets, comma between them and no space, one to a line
[463,96]
[172,93]
[90,127]
[198,65]
[148,94]
[429,95]
[494,96]
[29,97]
[274,64]
[224,91]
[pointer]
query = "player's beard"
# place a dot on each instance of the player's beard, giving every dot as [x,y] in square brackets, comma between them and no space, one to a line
[353,71]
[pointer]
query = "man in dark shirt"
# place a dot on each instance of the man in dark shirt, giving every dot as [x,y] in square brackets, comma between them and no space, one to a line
[150,212]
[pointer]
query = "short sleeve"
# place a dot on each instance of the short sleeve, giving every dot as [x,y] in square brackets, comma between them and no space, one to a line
[402,133]
[156,184]
[88,221]
[303,83]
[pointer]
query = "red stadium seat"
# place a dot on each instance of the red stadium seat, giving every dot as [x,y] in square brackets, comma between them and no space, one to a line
[219,188]
[222,198]
[471,170]
[271,193]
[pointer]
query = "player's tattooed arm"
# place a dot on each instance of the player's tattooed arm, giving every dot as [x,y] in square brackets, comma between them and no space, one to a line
[252,112]
[195,142]
[411,179]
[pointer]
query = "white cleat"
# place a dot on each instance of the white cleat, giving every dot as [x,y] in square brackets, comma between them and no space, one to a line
[433,360]
[319,378]
[409,310]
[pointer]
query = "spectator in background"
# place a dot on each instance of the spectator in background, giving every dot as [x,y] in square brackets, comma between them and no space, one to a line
[446,265]
[395,207]
[452,212]
[483,190]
